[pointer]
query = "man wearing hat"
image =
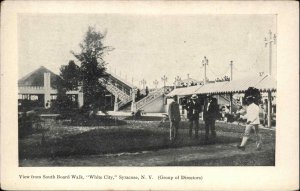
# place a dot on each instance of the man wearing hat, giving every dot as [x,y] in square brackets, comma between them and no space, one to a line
[174,117]
[193,110]
[210,114]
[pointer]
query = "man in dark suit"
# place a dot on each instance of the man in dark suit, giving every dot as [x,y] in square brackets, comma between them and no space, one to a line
[174,117]
[193,110]
[210,114]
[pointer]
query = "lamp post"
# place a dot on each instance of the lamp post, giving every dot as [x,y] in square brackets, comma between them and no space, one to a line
[177,80]
[188,80]
[231,74]
[204,63]
[143,82]
[164,79]
[155,82]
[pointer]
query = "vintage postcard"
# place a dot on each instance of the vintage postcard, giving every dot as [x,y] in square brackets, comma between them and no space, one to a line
[142,95]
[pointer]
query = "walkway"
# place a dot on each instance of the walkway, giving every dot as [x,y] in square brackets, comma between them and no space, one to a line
[184,156]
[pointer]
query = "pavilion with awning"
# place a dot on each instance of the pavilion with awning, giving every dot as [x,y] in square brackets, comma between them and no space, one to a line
[265,84]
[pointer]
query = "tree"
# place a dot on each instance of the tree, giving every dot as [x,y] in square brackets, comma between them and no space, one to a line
[68,81]
[93,66]
[70,76]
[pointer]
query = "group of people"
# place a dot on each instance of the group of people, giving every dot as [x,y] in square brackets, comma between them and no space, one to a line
[194,108]
[210,114]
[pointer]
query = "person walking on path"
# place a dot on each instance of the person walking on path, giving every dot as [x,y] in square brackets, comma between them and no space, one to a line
[193,110]
[252,117]
[174,117]
[210,115]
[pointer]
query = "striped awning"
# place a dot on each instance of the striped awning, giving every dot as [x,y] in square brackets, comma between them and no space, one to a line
[263,83]
[267,84]
[211,88]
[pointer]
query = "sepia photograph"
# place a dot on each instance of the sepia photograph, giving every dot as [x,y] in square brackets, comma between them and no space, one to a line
[143,90]
[149,95]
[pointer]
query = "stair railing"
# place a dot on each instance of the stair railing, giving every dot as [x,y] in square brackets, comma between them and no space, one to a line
[149,98]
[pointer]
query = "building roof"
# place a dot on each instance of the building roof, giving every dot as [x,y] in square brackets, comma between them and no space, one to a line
[36,78]
[184,91]
[263,83]
[211,87]
[268,83]
[124,81]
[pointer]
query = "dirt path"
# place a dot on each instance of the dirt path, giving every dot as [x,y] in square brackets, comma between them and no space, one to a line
[222,154]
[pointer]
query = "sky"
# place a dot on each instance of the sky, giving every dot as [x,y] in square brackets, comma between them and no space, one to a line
[151,46]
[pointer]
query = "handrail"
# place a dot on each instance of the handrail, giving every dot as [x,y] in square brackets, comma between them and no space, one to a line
[119,93]
[116,91]
[151,96]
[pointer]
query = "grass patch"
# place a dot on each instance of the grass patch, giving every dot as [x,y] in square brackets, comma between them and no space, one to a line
[144,118]
[81,138]
[266,158]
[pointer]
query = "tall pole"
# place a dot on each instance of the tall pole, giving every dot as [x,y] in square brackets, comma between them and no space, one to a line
[204,63]
[188,80]
[204,73]
[270,58]
[270,41]
[230,95]
[231,64]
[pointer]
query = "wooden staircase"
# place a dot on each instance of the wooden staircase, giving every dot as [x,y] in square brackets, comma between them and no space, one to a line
[149,98]
[122,96]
